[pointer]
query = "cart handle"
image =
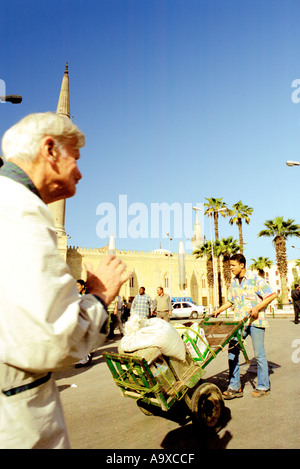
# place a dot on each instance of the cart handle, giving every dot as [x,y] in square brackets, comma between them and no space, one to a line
[244,319]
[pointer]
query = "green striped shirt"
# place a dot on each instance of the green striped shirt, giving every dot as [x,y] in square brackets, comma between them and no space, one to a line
[14,172]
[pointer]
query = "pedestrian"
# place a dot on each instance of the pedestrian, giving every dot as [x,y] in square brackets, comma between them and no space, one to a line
[114,311]
[111,320]
[88,358]
[44,324]
[81,286]
[142,304]
[118,313]
[125,310]
[162,305]
[295,294]
[249,294]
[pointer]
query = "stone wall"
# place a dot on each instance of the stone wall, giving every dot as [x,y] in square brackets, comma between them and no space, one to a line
[150,270]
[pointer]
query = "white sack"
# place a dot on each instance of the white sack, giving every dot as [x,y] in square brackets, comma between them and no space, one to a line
[155,332]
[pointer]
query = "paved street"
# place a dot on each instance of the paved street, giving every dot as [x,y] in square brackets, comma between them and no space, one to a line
[98,416]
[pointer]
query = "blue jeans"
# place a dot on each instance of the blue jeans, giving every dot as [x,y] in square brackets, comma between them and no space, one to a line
[257,335]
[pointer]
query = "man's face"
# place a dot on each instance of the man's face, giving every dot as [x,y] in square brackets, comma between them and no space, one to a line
[67,172]
[159,291]
[141,291]
[236,268]
[80,287]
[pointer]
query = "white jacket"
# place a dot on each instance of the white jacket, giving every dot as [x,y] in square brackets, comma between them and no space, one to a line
[44,324]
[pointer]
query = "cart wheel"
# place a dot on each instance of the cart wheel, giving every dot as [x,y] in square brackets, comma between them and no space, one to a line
[145,408]
[207,407]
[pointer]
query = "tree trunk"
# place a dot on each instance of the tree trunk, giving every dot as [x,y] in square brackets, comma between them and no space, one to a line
[280,248]
[210,280]
[226,272]
[241,235]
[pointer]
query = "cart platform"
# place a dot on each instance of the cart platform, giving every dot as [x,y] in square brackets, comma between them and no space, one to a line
[156,380]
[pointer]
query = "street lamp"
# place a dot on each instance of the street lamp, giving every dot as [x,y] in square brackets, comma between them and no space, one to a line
[11,98]
[212,254]
[181,266]
[170,288]
[293,163]
[223,209]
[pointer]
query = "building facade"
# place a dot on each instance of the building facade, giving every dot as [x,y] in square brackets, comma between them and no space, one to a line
[273,278]
[150,270]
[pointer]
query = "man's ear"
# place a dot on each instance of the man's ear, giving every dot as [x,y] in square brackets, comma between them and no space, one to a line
[48,149]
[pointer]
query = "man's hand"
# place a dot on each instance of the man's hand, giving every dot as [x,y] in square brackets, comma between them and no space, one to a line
[254,312]
[222,308]
[106,280]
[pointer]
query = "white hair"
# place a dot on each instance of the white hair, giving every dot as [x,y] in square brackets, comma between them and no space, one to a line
[23,139]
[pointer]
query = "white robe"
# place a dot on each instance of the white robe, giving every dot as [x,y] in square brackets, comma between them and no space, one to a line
[44,324]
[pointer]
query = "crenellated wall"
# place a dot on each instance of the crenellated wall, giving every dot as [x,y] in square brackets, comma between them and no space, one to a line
[150,270]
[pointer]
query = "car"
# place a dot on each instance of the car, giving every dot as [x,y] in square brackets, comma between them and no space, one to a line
[187,309]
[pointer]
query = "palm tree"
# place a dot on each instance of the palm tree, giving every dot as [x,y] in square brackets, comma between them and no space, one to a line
[238,213]
[214,207]
[280,230]
[204,250]
[260,264]
[226,247]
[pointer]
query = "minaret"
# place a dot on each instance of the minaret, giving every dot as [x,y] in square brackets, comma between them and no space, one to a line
[58,208]
[198,238]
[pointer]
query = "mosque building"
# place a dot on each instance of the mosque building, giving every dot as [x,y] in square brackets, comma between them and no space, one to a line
[150,269]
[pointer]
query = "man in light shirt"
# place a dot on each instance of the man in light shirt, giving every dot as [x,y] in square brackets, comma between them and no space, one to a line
[162,305]
[142,304]
[249,294]
[44,324]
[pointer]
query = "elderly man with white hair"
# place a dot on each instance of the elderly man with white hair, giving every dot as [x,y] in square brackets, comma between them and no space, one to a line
[44,325]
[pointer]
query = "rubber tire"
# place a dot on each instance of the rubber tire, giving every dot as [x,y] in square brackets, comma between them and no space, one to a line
[145,408]
[207,407]
[194,315]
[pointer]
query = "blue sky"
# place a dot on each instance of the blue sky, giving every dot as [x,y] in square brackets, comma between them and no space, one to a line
[180,100]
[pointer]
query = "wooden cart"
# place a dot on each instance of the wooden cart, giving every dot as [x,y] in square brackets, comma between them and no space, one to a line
[154,380]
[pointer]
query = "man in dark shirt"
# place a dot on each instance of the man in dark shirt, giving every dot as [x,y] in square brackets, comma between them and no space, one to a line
[296,302]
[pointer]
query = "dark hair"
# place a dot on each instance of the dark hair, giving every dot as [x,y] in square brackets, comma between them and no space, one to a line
[82,282]
[240,258]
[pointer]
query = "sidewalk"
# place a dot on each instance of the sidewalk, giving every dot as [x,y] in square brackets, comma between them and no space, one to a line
[98,416]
